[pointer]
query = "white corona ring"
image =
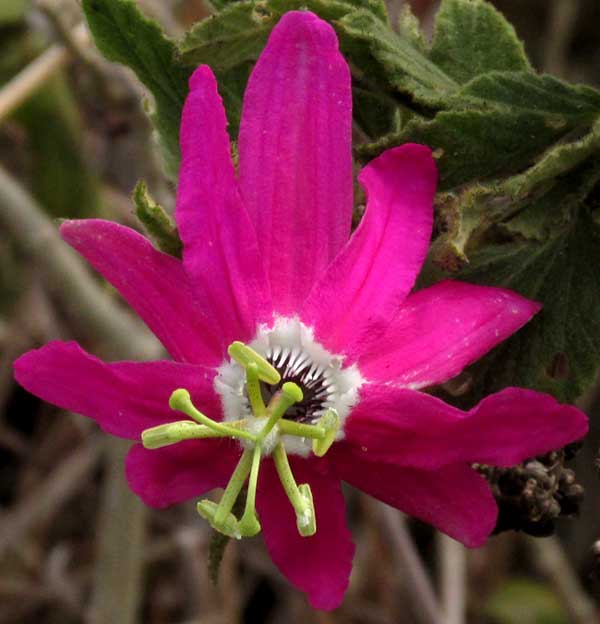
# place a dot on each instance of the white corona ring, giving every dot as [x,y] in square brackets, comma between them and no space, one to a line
[290,347]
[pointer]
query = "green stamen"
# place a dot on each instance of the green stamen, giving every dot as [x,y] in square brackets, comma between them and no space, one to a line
[300,430]
[244,356]
[329,423]
[181,401]
[172,433]
[249,524]
[300,497]
[253,388]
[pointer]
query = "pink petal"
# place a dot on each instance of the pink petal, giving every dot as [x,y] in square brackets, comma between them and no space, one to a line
[454,499]
[414,429]
[173,474]
[319,565]
[153,283]
[519,424]
[220,248]
[295,154]
[366,283]
[124,398]
[440,330]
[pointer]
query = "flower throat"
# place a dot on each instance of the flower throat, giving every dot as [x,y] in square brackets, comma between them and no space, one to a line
[317,385]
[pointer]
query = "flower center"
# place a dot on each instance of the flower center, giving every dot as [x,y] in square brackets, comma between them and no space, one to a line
[290,348]
[316,384]
[282,393]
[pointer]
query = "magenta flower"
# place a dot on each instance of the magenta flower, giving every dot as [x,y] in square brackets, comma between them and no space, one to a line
[300,344]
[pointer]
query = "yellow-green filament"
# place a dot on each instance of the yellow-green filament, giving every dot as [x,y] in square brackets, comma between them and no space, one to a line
[249,523]
[253,388]
[181,401]
[300,497]
[289,394]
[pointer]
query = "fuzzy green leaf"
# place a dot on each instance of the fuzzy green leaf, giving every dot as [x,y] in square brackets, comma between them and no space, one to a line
[157,223]
[238,33]
[409,29]
[406,68]
[559,351]
[530,92]
[483,135]
[232,84]
[472,38]
[233,36]
[374,113]
[558,161]
[123,34]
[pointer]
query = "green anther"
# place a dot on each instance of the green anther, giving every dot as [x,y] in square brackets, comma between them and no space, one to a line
[172,433]
[230,526]
[181,401]
[300,430]
[300,497]
[249,524]
[289,394]
[307,524]
[244,355]
[329,423]
[254,394]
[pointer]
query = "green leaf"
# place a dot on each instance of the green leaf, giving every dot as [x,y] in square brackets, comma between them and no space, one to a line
[159,225]
[123,34]
[239,32]
[375,113]
[531,205]
[232,84]
[483,135]
[235,35]
[409,29]
[472,38]
[406,68]
[556,162]
[474,145]
[531,92]
[559,350]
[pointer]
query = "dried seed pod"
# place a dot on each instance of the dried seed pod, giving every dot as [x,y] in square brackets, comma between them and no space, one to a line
[532,495]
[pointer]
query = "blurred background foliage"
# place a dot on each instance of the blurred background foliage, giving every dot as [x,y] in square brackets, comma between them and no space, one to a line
[519,157]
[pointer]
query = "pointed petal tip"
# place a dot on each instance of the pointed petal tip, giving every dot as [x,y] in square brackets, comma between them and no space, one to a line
[202,77]
[70,229]
[413,159]
[26,365]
